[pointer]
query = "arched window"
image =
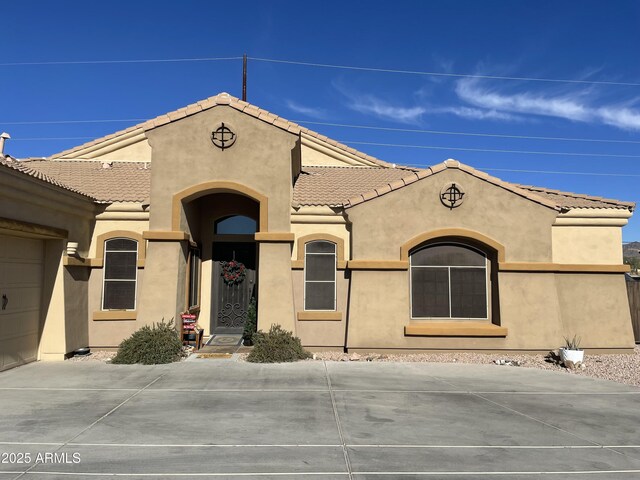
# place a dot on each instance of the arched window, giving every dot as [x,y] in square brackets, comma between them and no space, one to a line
[449,280]
[235,224]
[120,274]
[320,275]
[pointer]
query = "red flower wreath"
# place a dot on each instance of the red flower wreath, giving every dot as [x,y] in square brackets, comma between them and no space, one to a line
[233,272]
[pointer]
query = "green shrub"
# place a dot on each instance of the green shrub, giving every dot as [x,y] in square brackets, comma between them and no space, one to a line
[159,343]
[275,346]
[251,325]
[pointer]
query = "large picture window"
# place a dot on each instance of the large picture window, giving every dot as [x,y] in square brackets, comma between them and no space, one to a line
[120,274]
[320,276]
[449,281]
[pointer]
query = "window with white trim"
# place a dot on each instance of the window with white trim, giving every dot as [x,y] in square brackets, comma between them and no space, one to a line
[450,281]
[320,275]
[120,274]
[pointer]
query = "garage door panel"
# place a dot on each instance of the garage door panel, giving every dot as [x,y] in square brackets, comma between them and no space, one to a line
[18,274]
[22,323]
[21,298]
[20,350]
[21,278]
[27,250]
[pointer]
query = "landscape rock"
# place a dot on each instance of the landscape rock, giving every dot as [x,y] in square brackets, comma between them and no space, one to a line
[572,365]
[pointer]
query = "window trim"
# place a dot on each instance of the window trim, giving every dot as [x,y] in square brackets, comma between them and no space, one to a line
[297,262]
[487,269]
[335,276]
[104,279]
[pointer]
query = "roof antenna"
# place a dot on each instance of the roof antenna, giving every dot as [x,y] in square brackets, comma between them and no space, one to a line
[3,137]
[244,77]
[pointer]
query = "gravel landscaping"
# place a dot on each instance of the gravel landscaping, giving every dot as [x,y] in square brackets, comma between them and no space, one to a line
[617,368]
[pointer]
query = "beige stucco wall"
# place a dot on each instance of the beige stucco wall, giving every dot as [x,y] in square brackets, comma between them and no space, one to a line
[538,308]
[161,295]
[311,156]
[264,159]
[130,147]
[587,244]
[322,333]
[109,333]
[184,156]
[135,152]
[123,217]
[596,308]
[382,225]
[339,230]
[319,153]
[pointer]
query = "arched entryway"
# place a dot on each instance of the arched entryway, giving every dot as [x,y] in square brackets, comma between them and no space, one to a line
[222,226]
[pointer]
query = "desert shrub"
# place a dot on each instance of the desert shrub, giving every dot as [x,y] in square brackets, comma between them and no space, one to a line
[159,343]
[251,325]
[276,346]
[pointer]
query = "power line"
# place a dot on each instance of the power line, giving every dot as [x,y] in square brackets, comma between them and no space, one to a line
[471,134]
[38,139]
[365,127]
[525,152]
[548,172]
[54,122]
[443,74]
[322,65]
[399,145]
[107,62]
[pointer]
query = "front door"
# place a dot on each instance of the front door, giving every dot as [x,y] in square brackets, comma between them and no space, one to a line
[234,285]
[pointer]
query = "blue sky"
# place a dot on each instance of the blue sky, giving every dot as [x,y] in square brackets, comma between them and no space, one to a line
[588,41]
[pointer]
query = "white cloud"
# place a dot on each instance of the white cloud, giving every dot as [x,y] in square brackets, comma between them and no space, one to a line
[369,104]
[478,114]
[575,106]
[620,117]
[304,110]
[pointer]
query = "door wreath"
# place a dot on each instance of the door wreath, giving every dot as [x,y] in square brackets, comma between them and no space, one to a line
[233,272]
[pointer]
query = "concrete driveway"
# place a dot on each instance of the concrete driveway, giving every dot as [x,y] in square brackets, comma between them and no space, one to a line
[222,419]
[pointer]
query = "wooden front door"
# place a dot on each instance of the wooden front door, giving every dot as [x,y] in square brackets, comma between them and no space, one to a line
[230,300]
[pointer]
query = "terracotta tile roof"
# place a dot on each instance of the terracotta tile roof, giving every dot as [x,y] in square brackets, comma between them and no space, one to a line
[577,200]
[349,186]
[333,186]
[120,182]
[25,168]
[226,99]
[330,185]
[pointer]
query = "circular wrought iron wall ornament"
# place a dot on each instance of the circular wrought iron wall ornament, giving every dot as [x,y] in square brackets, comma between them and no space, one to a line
[452,195]
[223,136]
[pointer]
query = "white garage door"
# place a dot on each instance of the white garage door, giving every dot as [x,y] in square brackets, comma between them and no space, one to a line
[21,274]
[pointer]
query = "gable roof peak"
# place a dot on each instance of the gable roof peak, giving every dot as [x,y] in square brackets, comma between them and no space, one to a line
[222,98]
[452,163]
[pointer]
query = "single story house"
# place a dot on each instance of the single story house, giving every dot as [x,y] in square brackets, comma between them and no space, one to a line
[214,205]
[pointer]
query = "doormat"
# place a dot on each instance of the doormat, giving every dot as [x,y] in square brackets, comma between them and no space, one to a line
[225,340]
[214,355]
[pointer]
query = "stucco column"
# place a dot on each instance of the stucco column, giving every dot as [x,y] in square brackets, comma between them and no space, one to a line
[53,345]
[275,287]
[162,293]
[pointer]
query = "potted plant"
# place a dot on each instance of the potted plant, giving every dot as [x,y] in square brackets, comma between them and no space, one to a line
[571,352]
